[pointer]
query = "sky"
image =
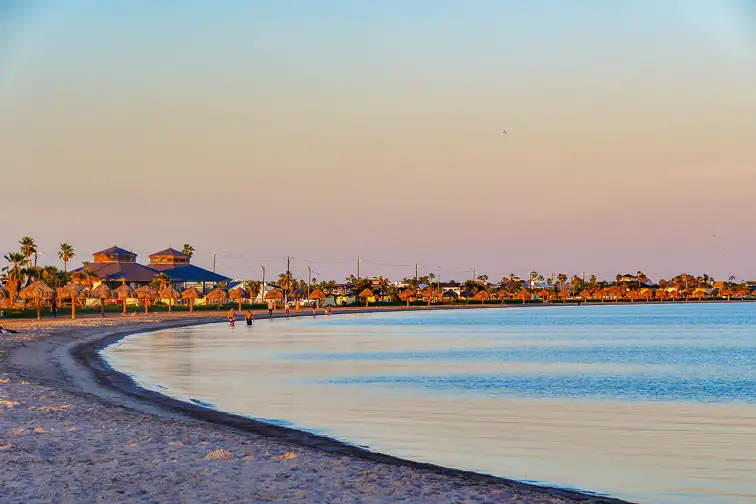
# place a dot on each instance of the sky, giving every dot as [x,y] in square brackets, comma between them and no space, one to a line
[343,129]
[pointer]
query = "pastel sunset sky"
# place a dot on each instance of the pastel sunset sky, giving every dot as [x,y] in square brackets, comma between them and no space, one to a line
[336,129]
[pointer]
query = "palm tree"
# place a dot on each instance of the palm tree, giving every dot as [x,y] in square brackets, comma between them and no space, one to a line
[562,278]
[593,279]
[29,249]
[188,250]
[471,285]
[253,287]
[14,274]
[65,254]
[483,278]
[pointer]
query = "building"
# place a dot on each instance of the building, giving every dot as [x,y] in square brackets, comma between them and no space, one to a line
[183,274]
[115,266]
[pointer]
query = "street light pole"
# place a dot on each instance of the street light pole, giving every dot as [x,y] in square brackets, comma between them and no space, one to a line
[214,254]
[262,294]
[309,281]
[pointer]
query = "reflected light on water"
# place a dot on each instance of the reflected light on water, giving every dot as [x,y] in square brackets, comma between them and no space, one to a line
[648,403]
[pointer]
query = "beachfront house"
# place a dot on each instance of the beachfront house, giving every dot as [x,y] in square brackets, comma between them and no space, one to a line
[116,265]
[182,273]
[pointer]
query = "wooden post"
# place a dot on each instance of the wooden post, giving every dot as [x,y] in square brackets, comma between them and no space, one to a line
[39,315]
[73,305]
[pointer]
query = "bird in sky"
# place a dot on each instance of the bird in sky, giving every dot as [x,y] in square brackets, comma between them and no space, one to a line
[504,132]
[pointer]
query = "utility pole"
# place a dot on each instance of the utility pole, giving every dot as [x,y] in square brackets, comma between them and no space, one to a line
[415,272]
[288,279]
[309,281]
[474,277]
[214,254]
[358,268]
[438,279]
[262,294]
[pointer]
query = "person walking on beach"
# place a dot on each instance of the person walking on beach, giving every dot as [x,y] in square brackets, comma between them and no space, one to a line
[231,317]
[248,317]
[328,310]
[286,307]
[314,307]
[54,307]
[270,307]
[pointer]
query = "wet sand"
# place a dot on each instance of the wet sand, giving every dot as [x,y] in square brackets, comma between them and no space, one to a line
[72,430]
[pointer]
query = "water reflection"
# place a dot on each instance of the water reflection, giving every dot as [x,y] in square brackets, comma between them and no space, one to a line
[458,389]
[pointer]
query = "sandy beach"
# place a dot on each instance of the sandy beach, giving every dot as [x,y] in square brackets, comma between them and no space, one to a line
[72,430]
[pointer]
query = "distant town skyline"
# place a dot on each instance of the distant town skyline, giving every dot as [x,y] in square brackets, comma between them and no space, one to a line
[331,131]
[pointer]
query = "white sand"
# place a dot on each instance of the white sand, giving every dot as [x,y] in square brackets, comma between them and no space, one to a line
[63,442]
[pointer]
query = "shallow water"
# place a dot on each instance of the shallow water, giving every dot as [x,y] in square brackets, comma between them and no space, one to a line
[648,403]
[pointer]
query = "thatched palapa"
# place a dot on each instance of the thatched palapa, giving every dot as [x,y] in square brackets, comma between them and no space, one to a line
[406,295]
[191,294]
[366,294]
[37,290]
[145,292]
[171,295]
[482,296]
[239,294]
[124,292]
[218,295]
[317,295]
[102,292]
[274,294]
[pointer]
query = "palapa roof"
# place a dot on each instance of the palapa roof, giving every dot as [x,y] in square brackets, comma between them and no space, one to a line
[170,252]
[482,295]
[72,290]
[217,294]
[190,293]
[366,293]
[145,291]
[524,294]
[317,294]
[238,293]
[429,292]
[169,292]
[124,292]
[36,289]
[467,293]
[274,294]
[102,291]
[450,294]
[406,294]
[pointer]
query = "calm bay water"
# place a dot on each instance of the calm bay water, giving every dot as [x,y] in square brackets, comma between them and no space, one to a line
[648,403]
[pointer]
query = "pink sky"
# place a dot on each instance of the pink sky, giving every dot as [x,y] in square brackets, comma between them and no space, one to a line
[626,149]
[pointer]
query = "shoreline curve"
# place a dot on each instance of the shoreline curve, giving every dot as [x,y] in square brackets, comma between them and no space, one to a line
[77,365]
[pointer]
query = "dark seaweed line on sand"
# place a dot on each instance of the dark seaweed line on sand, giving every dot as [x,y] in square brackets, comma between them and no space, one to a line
[87,354]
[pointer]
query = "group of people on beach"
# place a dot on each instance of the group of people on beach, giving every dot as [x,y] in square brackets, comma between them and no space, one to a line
[249,316]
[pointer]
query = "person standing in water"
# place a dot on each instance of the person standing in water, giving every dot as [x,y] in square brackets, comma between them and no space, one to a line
[231,317]
[270,307]
[287,306]
[248,317]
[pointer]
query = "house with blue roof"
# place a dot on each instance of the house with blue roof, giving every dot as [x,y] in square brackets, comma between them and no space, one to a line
[116,265]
